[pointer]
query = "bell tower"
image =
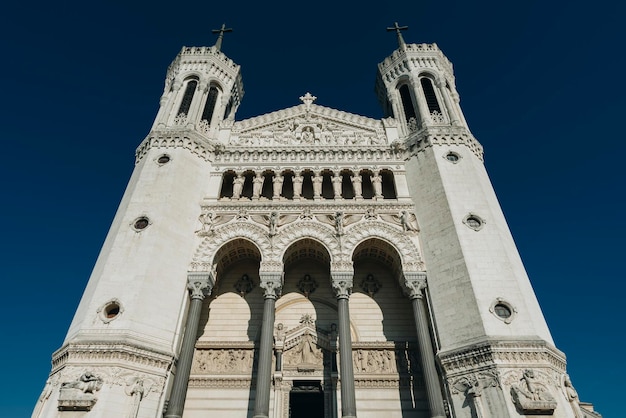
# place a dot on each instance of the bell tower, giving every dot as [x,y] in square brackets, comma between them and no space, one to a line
[122,350]
[490,336]
[203,90]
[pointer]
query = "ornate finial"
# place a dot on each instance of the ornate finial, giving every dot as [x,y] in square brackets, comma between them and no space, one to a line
[398,28]
[308,100]
[218,43]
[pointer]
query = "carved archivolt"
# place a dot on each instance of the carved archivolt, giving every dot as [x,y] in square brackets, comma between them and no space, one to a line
[409,253]
[203,259]
[308,229]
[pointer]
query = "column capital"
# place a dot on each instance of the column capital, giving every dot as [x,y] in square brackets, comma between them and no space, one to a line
[414,283]
[271,283]
[200,284]
[341,282]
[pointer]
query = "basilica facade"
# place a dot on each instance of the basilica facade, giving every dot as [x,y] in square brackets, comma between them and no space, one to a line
[309,262]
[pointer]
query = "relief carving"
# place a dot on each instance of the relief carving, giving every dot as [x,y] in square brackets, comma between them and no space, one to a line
[306,354]
[222,361]
[79,394]
[531,395]
[374,361]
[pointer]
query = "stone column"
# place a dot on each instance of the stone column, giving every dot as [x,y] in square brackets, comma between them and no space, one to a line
[342,284]
[422,106]
[199,285]
[414,283]
[166,117]
[199,98]
[271,282]
[454,120]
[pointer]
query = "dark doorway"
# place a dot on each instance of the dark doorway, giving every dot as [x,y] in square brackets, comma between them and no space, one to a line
[306,400]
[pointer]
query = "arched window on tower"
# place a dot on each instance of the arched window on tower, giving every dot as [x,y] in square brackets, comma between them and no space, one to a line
[429,94]
[209,106]
[407,104]
[185,103]
[229,108]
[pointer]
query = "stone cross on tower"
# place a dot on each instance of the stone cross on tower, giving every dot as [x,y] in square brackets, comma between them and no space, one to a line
[398,28]
[218,43]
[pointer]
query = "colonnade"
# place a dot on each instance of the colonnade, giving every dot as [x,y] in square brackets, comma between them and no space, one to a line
[201,285]
[309,184]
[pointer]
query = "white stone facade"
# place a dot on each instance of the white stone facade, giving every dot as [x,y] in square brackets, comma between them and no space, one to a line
[300,209]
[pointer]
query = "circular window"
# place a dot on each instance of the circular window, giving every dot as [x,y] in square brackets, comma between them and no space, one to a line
[453,157]
[110,310]
[503,310]
[163,159]
[141,223]
[474,222]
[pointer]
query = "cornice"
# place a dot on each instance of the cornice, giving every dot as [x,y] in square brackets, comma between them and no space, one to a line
[489,354]
[328,113]
[214,382]
[309,155]
[184,138]
[299,206]
[443,135]
[112,353]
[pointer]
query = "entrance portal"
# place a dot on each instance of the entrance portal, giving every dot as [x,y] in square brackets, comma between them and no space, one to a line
[306,400]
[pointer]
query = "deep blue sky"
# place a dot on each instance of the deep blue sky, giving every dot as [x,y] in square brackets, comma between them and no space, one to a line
[542,87]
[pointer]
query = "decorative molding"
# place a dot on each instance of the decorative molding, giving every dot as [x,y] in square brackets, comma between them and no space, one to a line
[314,155]
[199,285]
[110,352]
[182,138]
[523,353]
[414,283]
[444,136]
[472,384]
[213,382]
[272,287]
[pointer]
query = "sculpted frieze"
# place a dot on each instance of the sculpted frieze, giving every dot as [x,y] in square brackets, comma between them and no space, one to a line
[222,361]
[308,125]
